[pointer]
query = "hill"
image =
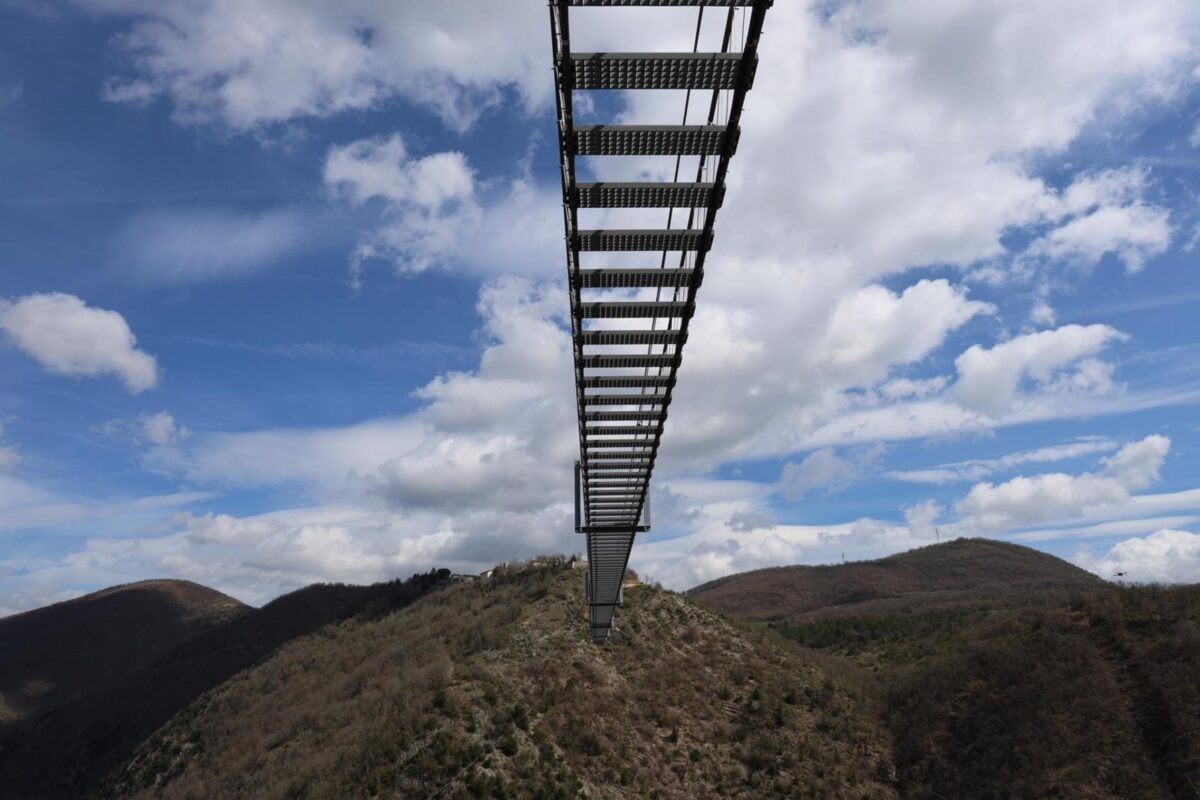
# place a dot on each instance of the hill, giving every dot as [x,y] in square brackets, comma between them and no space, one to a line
[1003,672]
[60,653]
[1025,680]
[954,574]
[68,752]
[493,689]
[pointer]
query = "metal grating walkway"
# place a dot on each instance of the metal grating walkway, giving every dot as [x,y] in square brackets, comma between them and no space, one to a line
[628,347]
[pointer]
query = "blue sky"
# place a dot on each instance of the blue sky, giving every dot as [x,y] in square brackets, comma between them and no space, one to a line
[282,297]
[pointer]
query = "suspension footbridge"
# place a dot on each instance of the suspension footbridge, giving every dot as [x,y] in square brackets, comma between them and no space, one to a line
[629,323]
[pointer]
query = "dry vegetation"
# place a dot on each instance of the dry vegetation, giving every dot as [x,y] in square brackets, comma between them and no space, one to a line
[67,752]
[953,575]
[492,689]
[1033,694]
[53,655]
[966,670]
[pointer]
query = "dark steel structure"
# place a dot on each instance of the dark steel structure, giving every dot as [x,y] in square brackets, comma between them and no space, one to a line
[628,347]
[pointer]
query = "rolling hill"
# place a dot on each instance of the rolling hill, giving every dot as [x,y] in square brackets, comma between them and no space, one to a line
[60,653]
[969,669]
[68,751]
[494,689]
[1003,671]
[957,573]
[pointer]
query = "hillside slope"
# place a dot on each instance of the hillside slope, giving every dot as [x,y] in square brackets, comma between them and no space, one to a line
[57,654]
[955,573]
[68,753]
[493,689]
[1005,672]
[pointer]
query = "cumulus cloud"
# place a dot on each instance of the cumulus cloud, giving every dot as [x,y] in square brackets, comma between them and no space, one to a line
[187,245]
[245,64]
[436,214]
[381,167]
[880,137]
[921,517]
[499,439]
[161,429]
[1165,556]
[989,378]
[1027,500]
[69,337]
[1105,213]
[430,200]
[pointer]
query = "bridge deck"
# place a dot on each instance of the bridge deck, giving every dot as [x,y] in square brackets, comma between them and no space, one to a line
[622,414]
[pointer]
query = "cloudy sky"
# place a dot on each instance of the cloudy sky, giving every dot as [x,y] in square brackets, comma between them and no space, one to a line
[282,296]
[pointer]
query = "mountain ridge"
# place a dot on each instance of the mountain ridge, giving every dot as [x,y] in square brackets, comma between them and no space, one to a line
[58,653]
[955,572]
[67,752]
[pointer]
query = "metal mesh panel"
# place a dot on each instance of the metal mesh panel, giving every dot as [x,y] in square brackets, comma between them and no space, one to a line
[633,278]
[653,140]
[626,381]
[663,3]
[648,195]
[633,309]
[616,460]
[643,240]
[626,362]
[658,70]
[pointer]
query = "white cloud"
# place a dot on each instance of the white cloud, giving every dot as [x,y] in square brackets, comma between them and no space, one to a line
[879,138]
[25,507]
[431,200]
[1136,465]
[820,469]
[436,214]
[825,469]
[977,469]
[198,244]
[250,63]
[69,337]
[747,521]
[904,388]
[1101,213]
[874,329]
[161,429]
[1024,501]
[989,378]
[1135,233]
[498,440]
[381,167]
[921,517]
[1167,556]
[158,430]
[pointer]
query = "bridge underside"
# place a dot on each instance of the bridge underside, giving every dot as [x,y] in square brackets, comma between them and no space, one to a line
[629,323]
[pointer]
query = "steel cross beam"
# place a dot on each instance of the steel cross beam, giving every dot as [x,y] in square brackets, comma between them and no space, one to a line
[621,386]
